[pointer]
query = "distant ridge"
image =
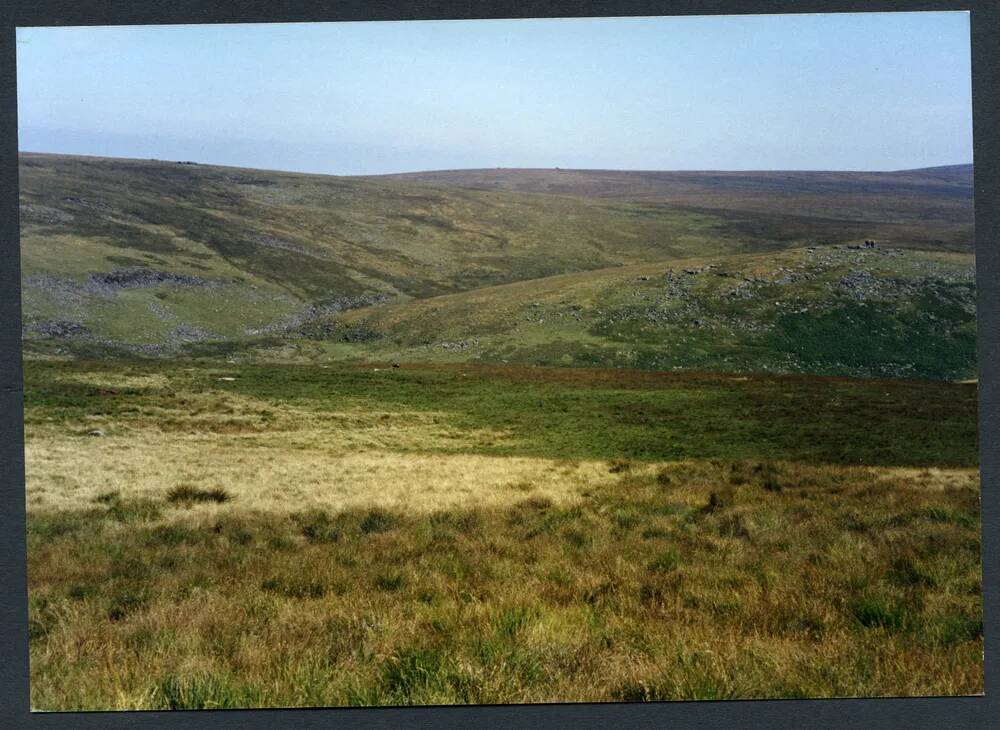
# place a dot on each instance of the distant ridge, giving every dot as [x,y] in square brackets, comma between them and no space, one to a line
[942,194]
[966,168]
[959,168]
[157,258]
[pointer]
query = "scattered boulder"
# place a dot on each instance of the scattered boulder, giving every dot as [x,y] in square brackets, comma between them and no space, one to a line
[61,328]
[43,214]
[137,278]
[92,203]
[250,180]
[191,334]
[270,241]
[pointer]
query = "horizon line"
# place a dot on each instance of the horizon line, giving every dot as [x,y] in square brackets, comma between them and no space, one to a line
[503,168]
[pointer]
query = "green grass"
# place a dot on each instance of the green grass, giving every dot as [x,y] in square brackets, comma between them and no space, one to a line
[914,316]
[768,564]
[565,413]
[497,489]
[338,237]
[492,268]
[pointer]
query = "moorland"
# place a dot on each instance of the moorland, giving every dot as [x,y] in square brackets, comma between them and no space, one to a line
[497,435]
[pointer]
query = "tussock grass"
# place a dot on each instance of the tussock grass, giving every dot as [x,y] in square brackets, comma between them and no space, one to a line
[318,526]
[187,494]
[618,466]
[338,574]
[530,601]
[129,510]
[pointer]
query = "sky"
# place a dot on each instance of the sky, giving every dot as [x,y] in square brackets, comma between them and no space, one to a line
[871,91]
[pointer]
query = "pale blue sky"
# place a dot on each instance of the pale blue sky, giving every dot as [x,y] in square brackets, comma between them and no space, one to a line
[857,91]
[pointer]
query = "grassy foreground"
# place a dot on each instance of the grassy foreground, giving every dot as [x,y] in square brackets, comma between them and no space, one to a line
[303,535]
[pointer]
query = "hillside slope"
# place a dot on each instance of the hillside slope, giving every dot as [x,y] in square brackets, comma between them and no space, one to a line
[165,258]
[930,207]
[837,311]
[155,253]
[312,234]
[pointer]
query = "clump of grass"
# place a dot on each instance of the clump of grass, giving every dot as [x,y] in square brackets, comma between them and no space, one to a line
[186,494]
[638,691]
[771,483]
[908,572]
[512,621]
[42,617]
[625,519]
[950,516]
[650,593]
[534,504]
[954,629]
[132,510]
[875,612]
[664,478]
[810,625]
[203,692]
[280,542]
[127,602]
[577,538]
[318,526]
[171,535]
[236,529]
[57,525]
[733,526]
[465,521]
[390,581]
[80,591]
[523,486]
[619,466]
[416,673]
[665,562]
[738,473]
[295,587]
[377,520]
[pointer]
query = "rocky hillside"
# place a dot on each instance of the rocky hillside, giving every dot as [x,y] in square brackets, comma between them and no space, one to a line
[842,310]
[734,271]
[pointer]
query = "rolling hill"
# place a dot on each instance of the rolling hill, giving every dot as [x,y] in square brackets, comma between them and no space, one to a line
[910,207]
[653,270]
[833,310]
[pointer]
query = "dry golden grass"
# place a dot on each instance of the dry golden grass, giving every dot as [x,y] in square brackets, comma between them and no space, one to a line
[255,548]
[693,580]
[278,474]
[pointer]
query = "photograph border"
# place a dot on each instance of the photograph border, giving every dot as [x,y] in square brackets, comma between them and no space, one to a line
[958,712]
